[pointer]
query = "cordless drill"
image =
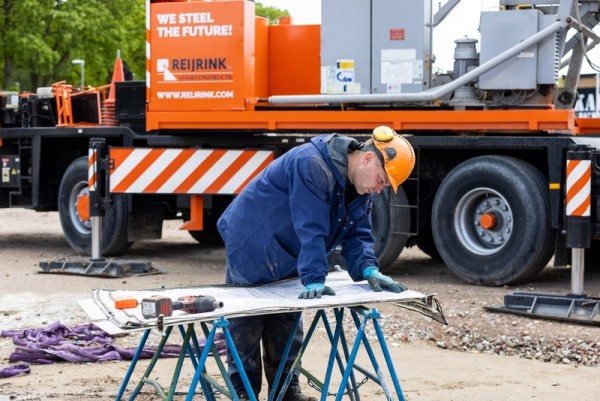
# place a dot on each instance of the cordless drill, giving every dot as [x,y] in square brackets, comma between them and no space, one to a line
[157,305]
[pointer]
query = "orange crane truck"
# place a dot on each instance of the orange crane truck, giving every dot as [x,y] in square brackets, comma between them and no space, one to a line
[506,176]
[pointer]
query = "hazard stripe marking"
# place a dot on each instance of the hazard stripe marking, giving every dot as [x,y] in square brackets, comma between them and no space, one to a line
[151,167]
[181,174]
[259,168]
[578,198]
[180,158]
[130,169]
[252,166]
[227,175]
[199,172]
[91,169]
[189,171]
[207,179]
[123,163]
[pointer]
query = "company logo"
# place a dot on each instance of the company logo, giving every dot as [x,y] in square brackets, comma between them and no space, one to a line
[198,64]
[211,69]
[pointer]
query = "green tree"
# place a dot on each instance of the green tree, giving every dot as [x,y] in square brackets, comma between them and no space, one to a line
[271,13]
[40,38]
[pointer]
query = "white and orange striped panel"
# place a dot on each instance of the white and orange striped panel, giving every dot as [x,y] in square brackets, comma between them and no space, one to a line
[91,169]
[579,184]
[184,171]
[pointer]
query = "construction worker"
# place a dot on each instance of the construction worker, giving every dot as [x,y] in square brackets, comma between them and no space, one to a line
[289,218]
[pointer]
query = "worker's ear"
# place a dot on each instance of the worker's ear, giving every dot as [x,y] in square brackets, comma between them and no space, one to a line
[368,157]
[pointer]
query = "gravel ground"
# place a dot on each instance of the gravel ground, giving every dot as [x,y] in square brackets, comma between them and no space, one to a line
[32,300]
[525,340]
[473,328]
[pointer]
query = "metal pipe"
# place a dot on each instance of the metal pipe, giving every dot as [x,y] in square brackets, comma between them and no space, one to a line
[97,194]
[586,25]
[567,95]
[96,237]
[565,62]
[433,93]
[578,211]
[444,11]
[577,270]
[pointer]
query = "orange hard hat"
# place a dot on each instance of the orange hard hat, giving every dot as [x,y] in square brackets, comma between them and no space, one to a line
[398,154]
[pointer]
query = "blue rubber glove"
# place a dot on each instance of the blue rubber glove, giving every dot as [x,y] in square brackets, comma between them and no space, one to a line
[381,282]
[315,290]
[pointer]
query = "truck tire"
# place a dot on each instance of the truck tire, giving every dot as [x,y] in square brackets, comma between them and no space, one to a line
[77,228]
[491,221]
[391,224]
[390,219]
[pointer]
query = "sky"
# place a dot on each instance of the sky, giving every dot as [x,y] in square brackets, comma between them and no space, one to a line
[462,22]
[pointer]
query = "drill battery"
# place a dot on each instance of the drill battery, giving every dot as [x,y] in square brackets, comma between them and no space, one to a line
[157,305]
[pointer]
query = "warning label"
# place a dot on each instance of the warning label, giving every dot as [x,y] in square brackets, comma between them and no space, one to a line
[397,34]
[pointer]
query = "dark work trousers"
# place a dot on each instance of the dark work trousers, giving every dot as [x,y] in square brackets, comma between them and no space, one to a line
[273,330]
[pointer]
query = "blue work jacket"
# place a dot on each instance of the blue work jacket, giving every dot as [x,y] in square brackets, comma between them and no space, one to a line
[287,220]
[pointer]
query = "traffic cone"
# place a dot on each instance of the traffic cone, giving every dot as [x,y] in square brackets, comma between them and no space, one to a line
[118,76]
[109,115]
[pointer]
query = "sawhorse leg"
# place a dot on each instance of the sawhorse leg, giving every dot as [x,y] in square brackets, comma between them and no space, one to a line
[373,315]
[222,324]
[132,365]
[150,367]
[348,383]
[334,339]
[348,371]
[339,337]
[296,362]
[229,389]
[187,336]
[281,367]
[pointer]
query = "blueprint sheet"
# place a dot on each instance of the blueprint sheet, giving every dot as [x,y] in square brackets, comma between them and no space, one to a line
[276,297]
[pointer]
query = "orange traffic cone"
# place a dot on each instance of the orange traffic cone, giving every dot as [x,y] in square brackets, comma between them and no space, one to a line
[118,76]
[109,115]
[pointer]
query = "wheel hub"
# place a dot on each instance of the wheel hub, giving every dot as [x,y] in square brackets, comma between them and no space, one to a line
[83,207]
[483,221]
[487,221]
[79,201]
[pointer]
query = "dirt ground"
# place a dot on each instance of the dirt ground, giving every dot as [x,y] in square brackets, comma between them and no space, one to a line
[479,356]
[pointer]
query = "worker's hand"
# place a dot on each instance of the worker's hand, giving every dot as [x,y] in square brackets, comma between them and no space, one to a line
[381,282]
[315,290]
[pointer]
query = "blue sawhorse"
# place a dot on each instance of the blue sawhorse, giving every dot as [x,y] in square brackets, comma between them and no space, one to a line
[344,359]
